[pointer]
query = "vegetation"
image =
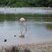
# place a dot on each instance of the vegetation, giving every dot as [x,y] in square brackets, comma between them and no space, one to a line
[26,3]
[36,17]
[49,26]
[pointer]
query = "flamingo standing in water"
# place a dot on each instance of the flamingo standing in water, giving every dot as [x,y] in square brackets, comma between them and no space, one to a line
[22,20]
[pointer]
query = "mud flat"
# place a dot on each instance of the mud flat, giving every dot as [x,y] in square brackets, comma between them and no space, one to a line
[41,47]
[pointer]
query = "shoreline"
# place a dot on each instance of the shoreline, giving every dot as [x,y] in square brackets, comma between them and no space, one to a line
[46,46]
[30,44]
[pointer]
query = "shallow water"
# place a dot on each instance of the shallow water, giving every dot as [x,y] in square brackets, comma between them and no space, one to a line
[36,33]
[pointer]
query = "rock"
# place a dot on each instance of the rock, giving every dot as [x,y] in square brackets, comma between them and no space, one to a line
[5,40]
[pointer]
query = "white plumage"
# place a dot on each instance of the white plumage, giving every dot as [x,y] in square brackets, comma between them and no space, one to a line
[22,19]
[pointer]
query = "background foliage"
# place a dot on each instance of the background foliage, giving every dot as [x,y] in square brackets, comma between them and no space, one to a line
[26,3]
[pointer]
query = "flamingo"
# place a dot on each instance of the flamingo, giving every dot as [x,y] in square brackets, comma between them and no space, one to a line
[22,20]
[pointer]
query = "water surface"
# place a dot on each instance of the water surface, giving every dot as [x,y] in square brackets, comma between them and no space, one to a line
[36,32]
